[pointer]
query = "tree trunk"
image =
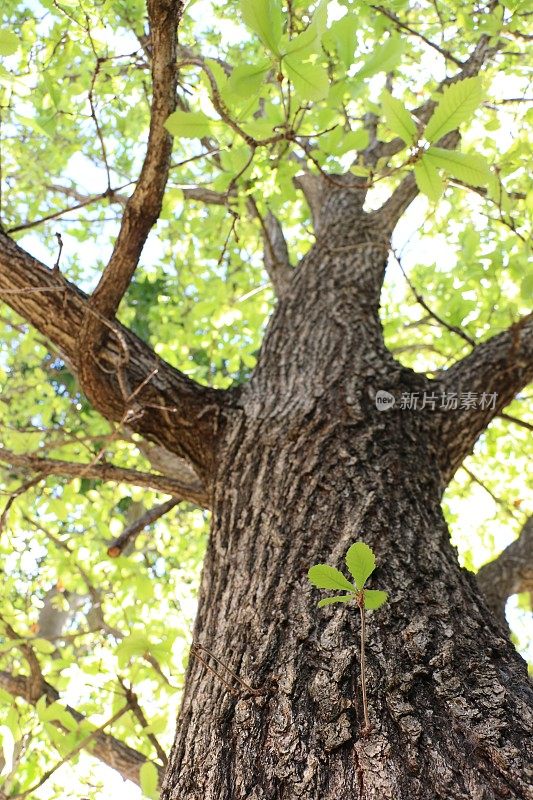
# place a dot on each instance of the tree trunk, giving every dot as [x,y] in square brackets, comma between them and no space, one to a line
[308,465]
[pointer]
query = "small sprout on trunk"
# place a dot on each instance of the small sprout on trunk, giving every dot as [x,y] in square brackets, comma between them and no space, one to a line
[361,563]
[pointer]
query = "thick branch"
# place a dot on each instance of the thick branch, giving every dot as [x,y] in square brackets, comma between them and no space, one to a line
[204,195]
[142,391]
[193,492]
[276,254]
[105,747]
[142,209]
[144,206]
[510,573]
[401,198]
[169,464]
[277,262]
[485,382]
[313,189]
[404,194]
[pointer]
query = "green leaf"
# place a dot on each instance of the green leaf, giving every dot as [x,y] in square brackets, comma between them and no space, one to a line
[325,577]
[304,45]
[354,140]
[398,118]
[310,81]
[189,124]
[265,18]
[308,42]
[327,601]
[246,79]
[342,37]
[320,17]
[35,125]
[7,747]
[135,644]
[383,58]
[148,779]
[526,288]
[9,43]
[43,646]
[467,167]
[375,598]
[55,711]
[337,142]
[361,562]
[428,179]
[458,103]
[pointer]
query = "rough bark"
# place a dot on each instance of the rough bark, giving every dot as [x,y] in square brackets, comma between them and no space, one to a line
[142,391]
[299,464]
[308,464]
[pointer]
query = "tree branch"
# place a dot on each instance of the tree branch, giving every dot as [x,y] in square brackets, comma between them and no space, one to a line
[142,209]
[482,52]
[130,533]
[144,206]
[402,197]
[403,26]
[510,573]
[277,262]
[193,493]
[106,748]
[204,195]
[494,372]
[520,422]
[141,390]
[432,314]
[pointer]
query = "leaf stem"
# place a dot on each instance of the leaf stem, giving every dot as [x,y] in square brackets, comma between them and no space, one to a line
[361,604]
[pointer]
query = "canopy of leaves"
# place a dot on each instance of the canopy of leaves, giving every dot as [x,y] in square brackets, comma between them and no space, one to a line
[74,116]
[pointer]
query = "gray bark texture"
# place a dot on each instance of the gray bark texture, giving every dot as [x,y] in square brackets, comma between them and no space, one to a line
[306,466]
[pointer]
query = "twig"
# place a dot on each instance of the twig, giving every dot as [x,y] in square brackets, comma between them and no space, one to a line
[222,111]
[452,328]
[194,648]
[228,237]
[101,471]
[99,62]
[24,488]
[489,491]
[75,750]
[521,422]
[403,26]
[132,531]
[60,243]
[139,713]
[228,686]
[27,225]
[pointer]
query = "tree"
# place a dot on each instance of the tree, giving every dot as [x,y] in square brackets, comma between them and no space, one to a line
[302,151]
